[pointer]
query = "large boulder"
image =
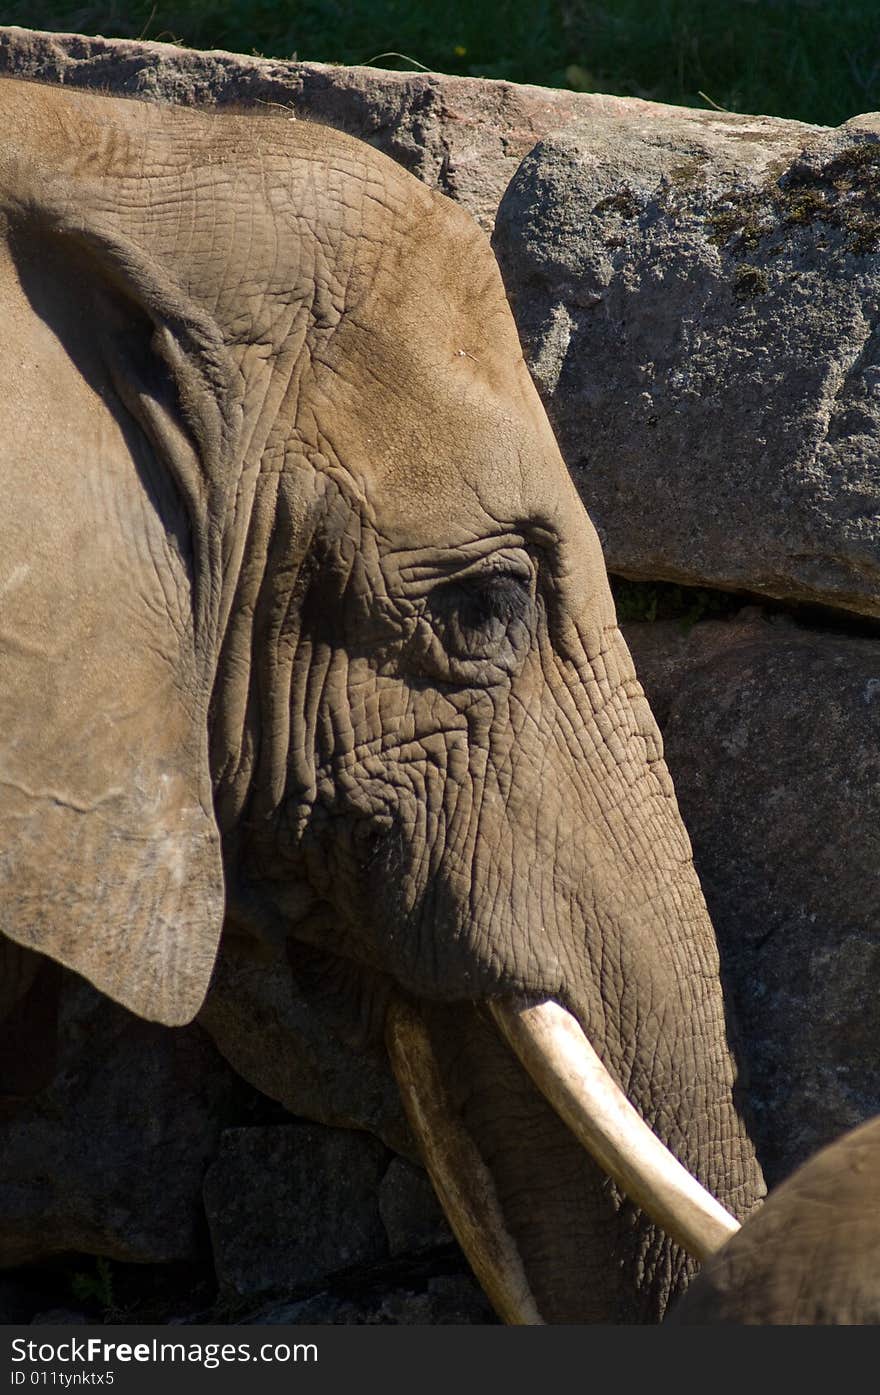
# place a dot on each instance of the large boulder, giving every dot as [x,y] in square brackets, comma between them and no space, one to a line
[279,1219]
[106,1155]
[772,733]
[698,304]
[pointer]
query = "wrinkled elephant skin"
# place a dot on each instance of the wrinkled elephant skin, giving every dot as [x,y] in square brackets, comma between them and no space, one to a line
[810,1256]
[304,627]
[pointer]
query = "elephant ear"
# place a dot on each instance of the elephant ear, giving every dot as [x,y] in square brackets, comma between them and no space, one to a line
[114,446]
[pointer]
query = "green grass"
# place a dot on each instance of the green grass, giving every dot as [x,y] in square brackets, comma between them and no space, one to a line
[817,60]
[518,39]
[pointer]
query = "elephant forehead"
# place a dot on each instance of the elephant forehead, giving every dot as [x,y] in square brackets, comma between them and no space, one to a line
[252,213]
[427,403]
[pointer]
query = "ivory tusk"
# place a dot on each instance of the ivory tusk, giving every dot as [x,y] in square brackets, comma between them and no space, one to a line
[549,1042]
[460,1177]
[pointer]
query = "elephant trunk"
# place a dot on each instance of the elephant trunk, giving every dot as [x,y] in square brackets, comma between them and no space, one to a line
[550,1044]
[557,1055]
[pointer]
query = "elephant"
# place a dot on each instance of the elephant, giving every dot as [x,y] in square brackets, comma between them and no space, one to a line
[810,1255]
[308,638]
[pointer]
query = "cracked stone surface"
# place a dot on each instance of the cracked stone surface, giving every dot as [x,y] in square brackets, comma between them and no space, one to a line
[281,1224]
[699,305]
[278,1217]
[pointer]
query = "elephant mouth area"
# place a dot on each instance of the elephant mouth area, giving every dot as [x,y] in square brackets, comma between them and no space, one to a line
[582,1251]
[554,1229]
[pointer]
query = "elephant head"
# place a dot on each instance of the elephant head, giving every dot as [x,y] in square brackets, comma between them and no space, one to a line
[304,626]
[810,1256]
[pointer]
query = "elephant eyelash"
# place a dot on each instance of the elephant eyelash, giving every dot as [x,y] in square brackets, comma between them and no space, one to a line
[482,600]
[486,616]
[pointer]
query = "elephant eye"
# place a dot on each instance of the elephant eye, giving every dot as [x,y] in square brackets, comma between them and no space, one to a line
[484,617]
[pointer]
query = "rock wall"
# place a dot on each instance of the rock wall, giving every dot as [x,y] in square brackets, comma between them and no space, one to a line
[696,296]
